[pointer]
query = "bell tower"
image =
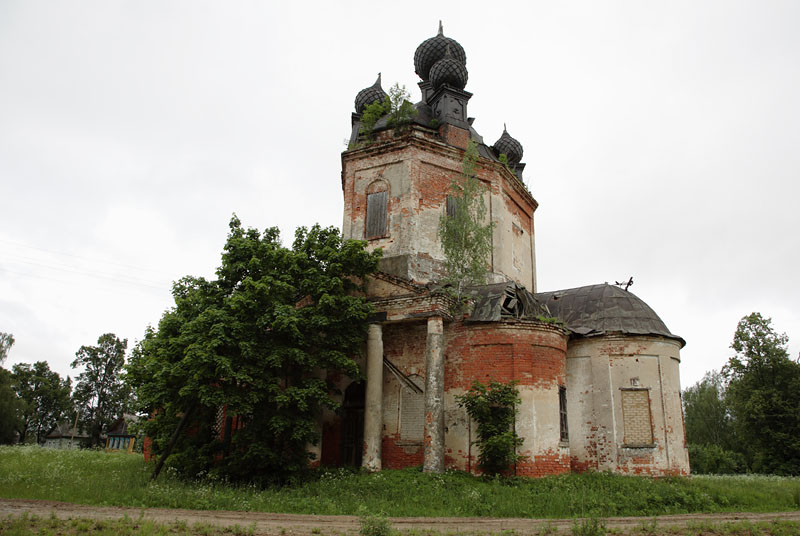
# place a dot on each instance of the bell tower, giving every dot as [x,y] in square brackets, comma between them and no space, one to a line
[396,180]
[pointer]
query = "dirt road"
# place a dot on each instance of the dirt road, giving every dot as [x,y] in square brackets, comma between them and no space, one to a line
[266,523]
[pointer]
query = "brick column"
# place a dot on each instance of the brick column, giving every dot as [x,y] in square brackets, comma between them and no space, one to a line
[373,411]
[434,397]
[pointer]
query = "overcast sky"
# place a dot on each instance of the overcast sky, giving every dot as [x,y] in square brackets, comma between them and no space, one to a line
[662,141]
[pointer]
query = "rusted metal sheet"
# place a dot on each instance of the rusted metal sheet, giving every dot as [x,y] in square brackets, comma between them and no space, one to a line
[505,300]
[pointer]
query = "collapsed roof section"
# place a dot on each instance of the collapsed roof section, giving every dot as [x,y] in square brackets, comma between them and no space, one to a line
[505,300]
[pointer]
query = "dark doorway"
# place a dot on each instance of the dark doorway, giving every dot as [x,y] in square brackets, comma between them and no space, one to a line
[353,424]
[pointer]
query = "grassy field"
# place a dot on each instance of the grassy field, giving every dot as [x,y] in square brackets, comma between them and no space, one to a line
[112,479]
[34,526]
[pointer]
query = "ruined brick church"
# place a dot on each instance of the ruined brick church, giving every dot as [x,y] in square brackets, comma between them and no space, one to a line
[599,390]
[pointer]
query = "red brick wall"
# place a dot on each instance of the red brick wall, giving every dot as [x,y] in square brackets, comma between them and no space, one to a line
[398,454]
[531,353]
[455,135]
[552,462]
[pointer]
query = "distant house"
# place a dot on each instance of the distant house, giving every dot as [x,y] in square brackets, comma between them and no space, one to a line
[118,436]
[62,437]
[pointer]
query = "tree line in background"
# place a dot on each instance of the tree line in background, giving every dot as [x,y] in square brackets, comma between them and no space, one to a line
[746,417]
[35,400]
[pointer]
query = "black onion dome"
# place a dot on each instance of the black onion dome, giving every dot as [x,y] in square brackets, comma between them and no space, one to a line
[434,49]
[448,70]
[369,95]
[508,146]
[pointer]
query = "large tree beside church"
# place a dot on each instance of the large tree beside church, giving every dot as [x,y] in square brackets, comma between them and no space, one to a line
[255,344]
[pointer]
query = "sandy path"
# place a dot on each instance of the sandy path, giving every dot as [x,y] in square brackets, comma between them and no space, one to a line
[266,523]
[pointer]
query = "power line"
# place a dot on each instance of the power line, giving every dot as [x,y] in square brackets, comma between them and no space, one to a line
[92,273]
[86,259]
[68,282]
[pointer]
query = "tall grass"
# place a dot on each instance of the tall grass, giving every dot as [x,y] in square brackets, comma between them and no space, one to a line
[122,480]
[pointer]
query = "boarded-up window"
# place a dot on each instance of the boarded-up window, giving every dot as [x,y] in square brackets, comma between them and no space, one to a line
[412,411]
[452,206]
[562,413]
[636,418]
[376,214]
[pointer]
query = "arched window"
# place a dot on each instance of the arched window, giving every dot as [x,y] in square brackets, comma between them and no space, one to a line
[377,210]
[412,410]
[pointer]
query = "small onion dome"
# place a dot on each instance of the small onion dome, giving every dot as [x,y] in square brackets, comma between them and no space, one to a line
[432,50]
[369,95]
[509,146]
[448,70]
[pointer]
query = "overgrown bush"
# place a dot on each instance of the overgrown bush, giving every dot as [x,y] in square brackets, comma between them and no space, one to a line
[713,459]
[396,106]
[494,408]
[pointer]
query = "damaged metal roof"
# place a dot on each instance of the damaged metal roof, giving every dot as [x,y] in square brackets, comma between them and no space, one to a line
[600,309]
[504,300]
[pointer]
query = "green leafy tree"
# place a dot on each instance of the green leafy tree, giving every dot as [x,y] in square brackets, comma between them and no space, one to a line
[255,342]
[6,342]
[10,404]
[494,408]
[706,458]
[762,394]
[708,420]
[45,397]
[101,394]
[709,428]
[10,408]
[466,237]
